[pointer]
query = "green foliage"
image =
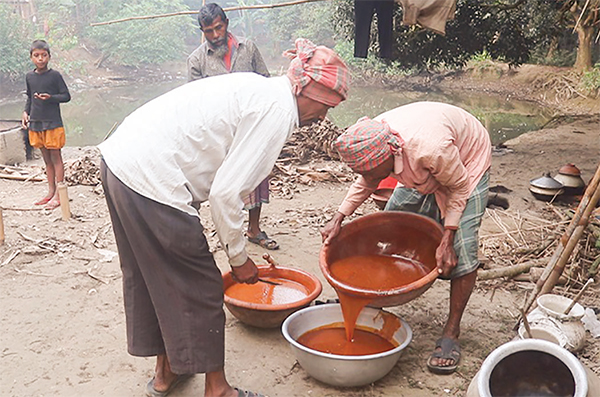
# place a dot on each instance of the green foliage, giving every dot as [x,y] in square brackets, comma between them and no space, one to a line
[14,43]
[590,81]
[371,65]
[310,21]
[542,55]
[144,41]
[476,27]
[482,63]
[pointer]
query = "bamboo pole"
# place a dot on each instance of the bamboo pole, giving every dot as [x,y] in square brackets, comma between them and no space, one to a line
[226,9]
[573,240]
[564,240]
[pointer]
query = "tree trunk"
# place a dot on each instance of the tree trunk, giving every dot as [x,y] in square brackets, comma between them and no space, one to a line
[584,50]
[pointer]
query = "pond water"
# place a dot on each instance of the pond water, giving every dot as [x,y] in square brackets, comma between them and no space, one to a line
[92,113]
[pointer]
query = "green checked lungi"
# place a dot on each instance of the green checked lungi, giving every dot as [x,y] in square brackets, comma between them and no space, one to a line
[466,239]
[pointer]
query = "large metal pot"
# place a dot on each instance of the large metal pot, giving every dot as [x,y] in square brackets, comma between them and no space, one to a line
[545,188]
[386,233]
[530,367]
[338,370]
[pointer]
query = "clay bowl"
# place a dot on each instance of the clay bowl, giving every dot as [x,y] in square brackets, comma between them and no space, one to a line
[339,370]
[266,315]
[386,233]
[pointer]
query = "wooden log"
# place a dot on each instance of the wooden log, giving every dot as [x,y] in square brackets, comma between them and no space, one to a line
[64,201]
[509,271]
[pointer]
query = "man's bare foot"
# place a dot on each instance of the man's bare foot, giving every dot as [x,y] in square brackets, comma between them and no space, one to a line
[52,204]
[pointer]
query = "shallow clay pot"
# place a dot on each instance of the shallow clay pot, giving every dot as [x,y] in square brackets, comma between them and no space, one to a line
[271,316]
[386,233]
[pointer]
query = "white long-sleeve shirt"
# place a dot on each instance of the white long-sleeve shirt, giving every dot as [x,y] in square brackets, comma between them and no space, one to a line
[212,139]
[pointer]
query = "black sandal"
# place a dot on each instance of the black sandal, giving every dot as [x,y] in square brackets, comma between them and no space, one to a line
[448,349]
[264,241]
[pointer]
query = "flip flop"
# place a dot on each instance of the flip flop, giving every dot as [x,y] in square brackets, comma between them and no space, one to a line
[246,393]
[152,392]
[264,241]
[42,201]
[449,349]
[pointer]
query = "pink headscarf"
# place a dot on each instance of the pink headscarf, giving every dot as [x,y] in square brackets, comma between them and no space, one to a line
[367,144]
[318,72]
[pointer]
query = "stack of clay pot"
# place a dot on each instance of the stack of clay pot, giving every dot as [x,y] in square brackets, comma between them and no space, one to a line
[568,181]
[570,177]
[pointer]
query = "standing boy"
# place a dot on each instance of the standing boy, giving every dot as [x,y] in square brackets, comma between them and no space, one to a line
[46,89]
[223,53]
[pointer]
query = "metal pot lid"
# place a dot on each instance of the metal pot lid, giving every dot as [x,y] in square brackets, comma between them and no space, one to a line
[569,169]
[546,192]
[546,182]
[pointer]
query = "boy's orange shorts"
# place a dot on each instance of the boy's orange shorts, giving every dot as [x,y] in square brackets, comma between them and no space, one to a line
[49,139]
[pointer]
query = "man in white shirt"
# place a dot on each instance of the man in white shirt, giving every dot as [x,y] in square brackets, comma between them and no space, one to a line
[213,139]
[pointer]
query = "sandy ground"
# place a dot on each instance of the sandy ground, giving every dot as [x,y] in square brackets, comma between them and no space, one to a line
[62,328]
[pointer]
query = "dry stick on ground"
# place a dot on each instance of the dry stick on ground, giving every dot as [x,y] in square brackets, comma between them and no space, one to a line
[508,271]
[563,251]
[32,273]
[10,258]
[22,209]
[28,178]
[528,229]
[500,224]
[226,9]
[1,228]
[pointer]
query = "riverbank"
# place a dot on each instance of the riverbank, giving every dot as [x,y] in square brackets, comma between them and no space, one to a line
[63,328]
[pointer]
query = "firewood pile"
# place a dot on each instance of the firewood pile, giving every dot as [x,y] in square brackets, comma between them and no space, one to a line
[306,160]
[84,170]
[312,142]
[525,244]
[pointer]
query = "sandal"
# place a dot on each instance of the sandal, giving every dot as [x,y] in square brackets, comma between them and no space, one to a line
[264,241]
[246,393]
[152,392]
[448,349]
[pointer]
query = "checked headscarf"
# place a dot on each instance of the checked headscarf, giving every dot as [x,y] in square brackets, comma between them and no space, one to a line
[318,73]
[367,144]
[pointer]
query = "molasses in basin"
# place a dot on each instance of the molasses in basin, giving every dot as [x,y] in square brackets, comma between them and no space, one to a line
[281,292]
[386,258]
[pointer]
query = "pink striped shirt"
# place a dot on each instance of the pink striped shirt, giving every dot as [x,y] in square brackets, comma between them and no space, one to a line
[446,151]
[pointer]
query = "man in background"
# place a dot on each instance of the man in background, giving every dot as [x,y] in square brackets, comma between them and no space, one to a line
[223,53]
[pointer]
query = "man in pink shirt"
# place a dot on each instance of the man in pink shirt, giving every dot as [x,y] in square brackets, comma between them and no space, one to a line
[441,155]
